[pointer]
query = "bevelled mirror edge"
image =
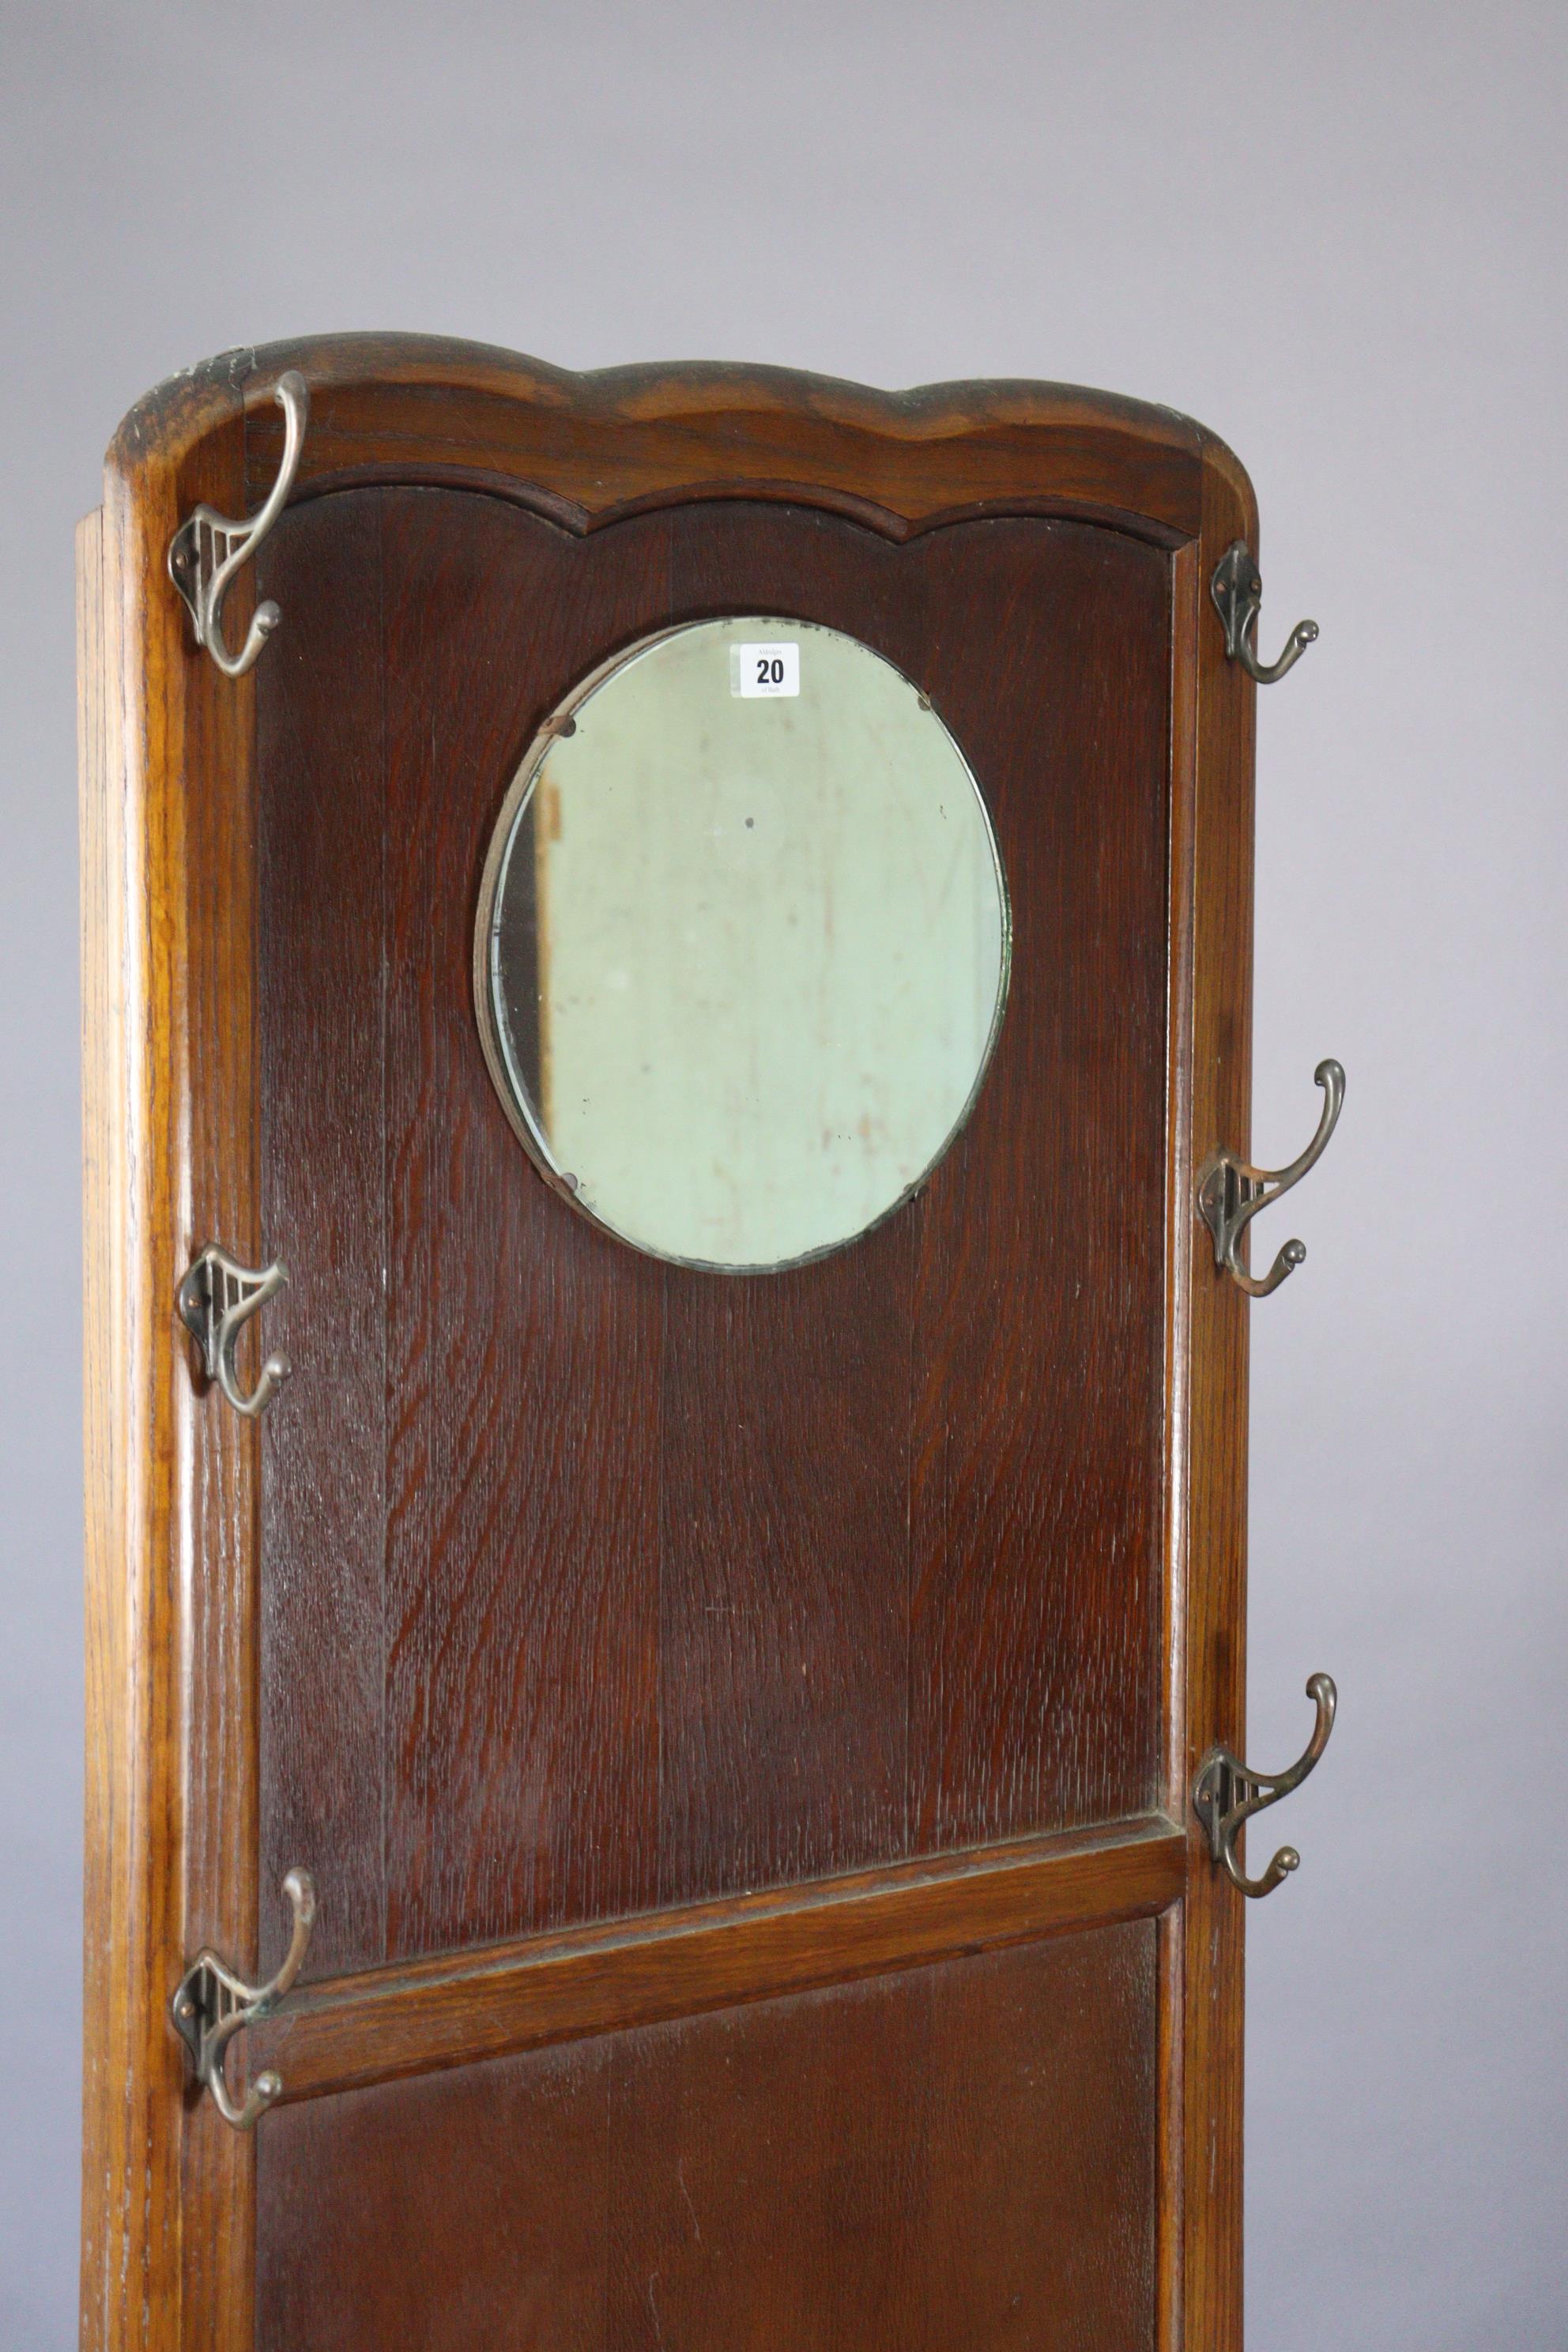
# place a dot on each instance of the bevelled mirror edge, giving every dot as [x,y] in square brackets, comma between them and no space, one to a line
[881,766]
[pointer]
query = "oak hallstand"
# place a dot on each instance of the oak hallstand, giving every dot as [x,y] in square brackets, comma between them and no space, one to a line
[633,1806]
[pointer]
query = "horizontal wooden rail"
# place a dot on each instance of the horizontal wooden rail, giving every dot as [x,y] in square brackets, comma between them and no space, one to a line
[348,2031]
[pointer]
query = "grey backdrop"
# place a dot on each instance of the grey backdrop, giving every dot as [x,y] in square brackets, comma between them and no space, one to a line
[1334,234]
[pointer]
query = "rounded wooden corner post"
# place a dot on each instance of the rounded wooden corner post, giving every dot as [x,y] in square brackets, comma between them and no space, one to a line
[167,2257]
[1213,923]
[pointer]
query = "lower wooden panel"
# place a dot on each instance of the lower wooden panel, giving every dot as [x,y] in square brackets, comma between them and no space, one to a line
[957,2159]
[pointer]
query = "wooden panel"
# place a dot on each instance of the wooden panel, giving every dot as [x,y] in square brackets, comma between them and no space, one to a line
[320,848]
[959,2156]
[784,1624]
[523,1352]
[1037,1340]
[463,2213]
[175,1483]
[764,1552]
[169,929]
[200,1071]
[351,2031]
[586,447]
[784,1644]
[1209,1641]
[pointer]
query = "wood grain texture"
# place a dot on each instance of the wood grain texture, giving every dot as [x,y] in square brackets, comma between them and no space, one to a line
[321,965]
[169,908]
[696,1583]
[784,1643]
[523,1350]
[784,1466]
[460,2213]
[200,1073]
[1035,1507]
[960,2155]
[1209,1627]
[588,448]
[1180,1257]
[353,2031]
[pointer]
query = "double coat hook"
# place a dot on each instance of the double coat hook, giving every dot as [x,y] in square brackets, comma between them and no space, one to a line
[216,1298]
[1227,1794]
[208,549]
[1237,591]
[211,2004]
[1231,1191]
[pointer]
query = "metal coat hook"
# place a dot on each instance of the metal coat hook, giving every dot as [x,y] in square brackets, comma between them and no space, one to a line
[211,2005]
[1227,1794]
[217,1297]
[1237,591]
[1231,1191]
[208,549]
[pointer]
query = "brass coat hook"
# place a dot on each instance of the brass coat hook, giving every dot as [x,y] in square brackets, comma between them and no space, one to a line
[1227,1794]
[1237,591]
[208,549]
[211,2005]
[217,1297]
[1231,1191]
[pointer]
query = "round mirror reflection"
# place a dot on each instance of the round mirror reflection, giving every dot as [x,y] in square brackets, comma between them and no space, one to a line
[743,943]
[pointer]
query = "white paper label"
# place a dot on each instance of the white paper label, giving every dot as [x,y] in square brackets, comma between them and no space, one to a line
[764,669]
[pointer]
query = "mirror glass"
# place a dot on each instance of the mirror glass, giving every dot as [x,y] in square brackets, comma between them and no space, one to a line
[743,943]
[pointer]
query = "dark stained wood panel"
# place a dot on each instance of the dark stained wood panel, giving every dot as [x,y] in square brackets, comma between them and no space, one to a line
[461,2213]
[692,1584]
[784,1681]
[959,2157]
[1037,1339]
[321,991]
[784,1623]
[523,1348]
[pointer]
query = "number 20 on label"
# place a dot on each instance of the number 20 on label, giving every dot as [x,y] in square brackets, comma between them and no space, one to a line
[764,670]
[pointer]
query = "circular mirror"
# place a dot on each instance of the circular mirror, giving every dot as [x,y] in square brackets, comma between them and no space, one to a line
[743,943]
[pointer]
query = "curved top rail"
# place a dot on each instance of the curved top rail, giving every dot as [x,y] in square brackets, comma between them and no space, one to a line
[419,407]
